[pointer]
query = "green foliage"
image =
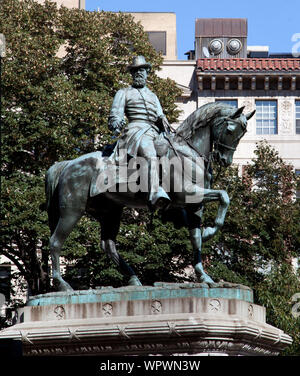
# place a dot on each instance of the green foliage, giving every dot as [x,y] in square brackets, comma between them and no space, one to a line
[260,236]
[61,71]
[156,251]
[56,108]
[276,293]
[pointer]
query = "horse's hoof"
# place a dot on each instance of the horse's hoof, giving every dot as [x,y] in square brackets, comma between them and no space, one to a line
[208,233]
[61,285]
[205,278]
[134,281]
[212,284]
[202,276]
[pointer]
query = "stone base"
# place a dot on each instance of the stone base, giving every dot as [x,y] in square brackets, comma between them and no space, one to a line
[164,319]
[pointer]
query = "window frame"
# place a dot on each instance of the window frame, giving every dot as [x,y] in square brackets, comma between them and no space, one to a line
[297,107]
[269,119]
[227,100]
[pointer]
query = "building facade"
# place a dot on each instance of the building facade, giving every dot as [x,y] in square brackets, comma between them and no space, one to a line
[161,30]
[224,68]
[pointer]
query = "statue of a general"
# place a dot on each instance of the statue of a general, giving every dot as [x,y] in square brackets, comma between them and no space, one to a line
[209,135]
[146,121]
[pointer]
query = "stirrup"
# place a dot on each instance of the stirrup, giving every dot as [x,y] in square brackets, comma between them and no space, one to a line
[160,200]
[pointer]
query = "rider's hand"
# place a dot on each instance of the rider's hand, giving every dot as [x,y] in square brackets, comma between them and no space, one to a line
[119,127]
[117,132]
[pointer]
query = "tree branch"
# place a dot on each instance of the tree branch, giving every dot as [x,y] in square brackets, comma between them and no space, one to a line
[20,267]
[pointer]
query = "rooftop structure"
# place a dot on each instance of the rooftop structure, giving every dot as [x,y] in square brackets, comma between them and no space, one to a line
[161,29]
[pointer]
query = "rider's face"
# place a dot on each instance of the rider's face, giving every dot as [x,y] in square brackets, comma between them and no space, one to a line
[139,76]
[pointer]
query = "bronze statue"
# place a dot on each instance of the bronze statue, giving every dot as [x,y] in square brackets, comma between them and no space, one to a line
[146,122]
[209,135]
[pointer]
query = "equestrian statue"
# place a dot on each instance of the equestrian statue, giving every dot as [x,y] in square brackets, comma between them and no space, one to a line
[102,183]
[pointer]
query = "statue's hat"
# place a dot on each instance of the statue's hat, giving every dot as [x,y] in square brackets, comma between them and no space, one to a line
[139,62]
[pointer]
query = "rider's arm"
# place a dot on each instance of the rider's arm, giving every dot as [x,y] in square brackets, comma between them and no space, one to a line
[116,117]
[160,112]
[162,120]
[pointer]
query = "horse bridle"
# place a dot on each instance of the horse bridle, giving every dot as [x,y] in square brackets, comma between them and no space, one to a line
[225,146]
[224,126]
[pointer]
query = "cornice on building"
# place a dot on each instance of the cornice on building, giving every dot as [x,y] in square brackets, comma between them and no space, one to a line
[248,74]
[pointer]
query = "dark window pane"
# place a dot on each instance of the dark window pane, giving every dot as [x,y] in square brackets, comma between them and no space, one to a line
[5,281]
[158,40]
[297,103]
[297,126]
[230,102]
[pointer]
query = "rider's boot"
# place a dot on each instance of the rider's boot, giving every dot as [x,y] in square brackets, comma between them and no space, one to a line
[158,197]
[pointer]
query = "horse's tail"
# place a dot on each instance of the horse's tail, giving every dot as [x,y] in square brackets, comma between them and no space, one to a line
[51,182]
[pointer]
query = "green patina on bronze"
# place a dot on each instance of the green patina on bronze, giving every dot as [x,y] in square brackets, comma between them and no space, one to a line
[211,133]
[159,291]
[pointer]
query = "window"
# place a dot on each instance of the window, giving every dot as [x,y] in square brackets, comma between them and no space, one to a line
[158,40]
[230,102]
[297,116]
[5,274]
[266,117]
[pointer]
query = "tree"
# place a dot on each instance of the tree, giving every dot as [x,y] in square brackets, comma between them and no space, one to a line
[56,108]
[261,225]
[261,237]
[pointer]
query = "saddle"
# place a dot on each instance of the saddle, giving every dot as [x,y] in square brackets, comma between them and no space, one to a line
[161,144]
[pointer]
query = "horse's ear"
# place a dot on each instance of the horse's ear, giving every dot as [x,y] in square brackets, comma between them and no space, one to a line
[250,114]
[237,113]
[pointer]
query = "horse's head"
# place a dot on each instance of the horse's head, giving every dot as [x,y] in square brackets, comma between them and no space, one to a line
[216,126]
[227,133]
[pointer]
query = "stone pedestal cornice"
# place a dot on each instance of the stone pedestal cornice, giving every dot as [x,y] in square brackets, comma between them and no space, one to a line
[163,321]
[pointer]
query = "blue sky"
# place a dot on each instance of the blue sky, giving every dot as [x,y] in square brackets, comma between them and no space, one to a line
[270,22]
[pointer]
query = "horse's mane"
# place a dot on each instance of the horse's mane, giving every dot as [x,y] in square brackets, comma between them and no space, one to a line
[203,117]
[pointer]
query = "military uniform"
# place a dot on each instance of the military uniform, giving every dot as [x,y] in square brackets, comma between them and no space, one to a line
[142,109]
[145,122]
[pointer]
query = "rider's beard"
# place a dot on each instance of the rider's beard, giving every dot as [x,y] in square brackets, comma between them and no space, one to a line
[139,82]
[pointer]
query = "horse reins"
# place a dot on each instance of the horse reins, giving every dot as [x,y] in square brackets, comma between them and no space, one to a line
[209,159]
[236,139]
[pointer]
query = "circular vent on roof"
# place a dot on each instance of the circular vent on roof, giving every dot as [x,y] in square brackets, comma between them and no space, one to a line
[234,46]
[215,46]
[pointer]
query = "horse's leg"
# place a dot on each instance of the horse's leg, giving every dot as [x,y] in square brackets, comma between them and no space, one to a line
[222,197]
[109,230]
[193,222]
[196,237]
[66,223]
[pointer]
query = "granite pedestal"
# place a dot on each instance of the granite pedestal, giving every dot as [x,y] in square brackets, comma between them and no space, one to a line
[165,319]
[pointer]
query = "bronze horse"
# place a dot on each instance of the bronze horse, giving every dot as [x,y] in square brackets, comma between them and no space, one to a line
[212,132]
